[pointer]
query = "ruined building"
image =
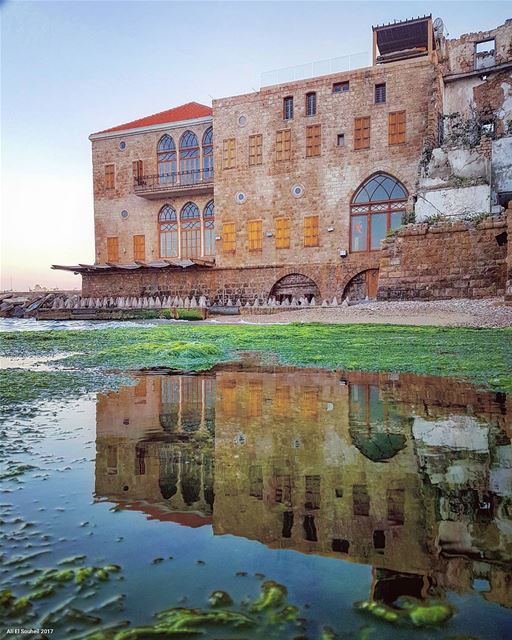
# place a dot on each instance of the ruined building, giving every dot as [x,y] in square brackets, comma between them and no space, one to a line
[292,190]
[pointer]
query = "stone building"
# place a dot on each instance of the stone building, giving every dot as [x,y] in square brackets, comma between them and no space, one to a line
[310,175]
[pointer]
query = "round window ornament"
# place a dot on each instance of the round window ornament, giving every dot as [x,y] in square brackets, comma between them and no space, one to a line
[122,145]
[297,191]
[242,120]
[124,214]
[240,197]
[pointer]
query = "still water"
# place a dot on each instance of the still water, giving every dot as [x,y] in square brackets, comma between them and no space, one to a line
[343,488]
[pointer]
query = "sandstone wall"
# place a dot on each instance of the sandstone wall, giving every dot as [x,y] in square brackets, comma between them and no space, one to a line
[447,260]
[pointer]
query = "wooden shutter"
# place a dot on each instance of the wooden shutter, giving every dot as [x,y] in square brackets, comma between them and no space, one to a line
[113,249]
[396,127]
[282,233]
[256,149]
[110,180]
[229,147]
[139,248]
[255,234]
[311,238]
[313,140]
[284,145]
[362,133]
[138,171]
[228,237]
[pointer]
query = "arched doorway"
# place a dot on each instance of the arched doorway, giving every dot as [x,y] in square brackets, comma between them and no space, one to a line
[295,285]
[363,286]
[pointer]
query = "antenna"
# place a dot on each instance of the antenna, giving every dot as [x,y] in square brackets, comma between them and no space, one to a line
[438,27]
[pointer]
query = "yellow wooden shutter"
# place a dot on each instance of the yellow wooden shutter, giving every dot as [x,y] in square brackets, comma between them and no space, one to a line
[282,233]
[311,238]
[228,237]
[255,235]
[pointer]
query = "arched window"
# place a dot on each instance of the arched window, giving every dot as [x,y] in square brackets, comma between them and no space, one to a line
[376,208]
[189,158]
[168,225]
[190,231]
[208,224]
[166,153]
[208,154]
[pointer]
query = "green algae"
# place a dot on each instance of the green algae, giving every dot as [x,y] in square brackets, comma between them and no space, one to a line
[272,596]
[409,612]
[480,356]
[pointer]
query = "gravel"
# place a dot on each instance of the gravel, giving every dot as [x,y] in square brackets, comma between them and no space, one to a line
[481,313]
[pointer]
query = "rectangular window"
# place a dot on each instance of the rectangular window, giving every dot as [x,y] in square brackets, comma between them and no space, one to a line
[282,233]
[380,93]
[255,235]
[359,239]
[396,127]
[313,140]
[284,145]
[311,103]
[229,153]
[341,87]
[110,177]
[139,248]
[311,238]
[255,149]
[228,237]
[340,141]
[312,500]
[138,171]
[113,249]
[485,54]
[362,133]
[360,500]
[288,108]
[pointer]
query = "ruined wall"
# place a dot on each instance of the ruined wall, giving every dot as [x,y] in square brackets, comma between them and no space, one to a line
[446,260]
[508,291]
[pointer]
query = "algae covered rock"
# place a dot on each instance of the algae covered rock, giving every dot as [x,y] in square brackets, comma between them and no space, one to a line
[272,596]
[220,599]
[409,611]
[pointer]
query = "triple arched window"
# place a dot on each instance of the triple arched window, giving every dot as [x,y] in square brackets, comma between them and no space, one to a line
[189,235]
[376,208]
[187,164]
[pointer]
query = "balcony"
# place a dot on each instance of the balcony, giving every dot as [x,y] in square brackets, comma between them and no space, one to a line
[182,183]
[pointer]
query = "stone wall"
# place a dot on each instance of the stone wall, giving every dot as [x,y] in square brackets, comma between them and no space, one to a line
[508,289]
[446,260]
[220,284]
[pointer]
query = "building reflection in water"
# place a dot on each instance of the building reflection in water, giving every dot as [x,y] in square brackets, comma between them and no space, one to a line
[408,474]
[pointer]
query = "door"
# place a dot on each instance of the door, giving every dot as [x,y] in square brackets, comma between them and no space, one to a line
[372,283]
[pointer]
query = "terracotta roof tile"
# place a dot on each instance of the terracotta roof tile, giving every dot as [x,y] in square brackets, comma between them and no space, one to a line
[188,111]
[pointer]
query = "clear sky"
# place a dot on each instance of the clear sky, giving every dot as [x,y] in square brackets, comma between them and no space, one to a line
[70,68]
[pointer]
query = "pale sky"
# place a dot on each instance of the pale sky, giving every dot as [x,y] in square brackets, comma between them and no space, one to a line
[70,68]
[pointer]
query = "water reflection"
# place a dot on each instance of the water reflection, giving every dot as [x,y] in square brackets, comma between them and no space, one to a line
[407,474]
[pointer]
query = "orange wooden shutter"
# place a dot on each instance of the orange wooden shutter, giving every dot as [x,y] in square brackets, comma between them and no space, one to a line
[228,237]
[362,133]
[113,249]
[282,233]
[313,140]
[396,127]
[255,235]
[139,248]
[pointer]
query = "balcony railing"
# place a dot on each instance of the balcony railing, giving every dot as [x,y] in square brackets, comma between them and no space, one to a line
[180,182]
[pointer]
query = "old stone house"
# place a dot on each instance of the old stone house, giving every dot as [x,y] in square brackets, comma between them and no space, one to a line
[291,190]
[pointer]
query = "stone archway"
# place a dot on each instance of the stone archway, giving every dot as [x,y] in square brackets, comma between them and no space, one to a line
[295,285]
[362,286]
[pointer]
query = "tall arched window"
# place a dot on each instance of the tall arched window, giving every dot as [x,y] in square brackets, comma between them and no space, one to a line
[208,224]
[166,153]
[190,231]
[189,158]
[376,208]
[208,154]
[168,225]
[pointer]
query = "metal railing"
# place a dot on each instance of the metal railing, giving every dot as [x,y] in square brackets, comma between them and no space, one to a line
[177,180]
[313,69]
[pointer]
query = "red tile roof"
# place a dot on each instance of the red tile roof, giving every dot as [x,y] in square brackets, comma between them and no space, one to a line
[188,111]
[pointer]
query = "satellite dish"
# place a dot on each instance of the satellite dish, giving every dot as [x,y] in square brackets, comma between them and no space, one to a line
[438,27]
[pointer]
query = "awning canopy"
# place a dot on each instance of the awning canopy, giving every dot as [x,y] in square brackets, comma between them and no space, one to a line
[109,267]
[405,39]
